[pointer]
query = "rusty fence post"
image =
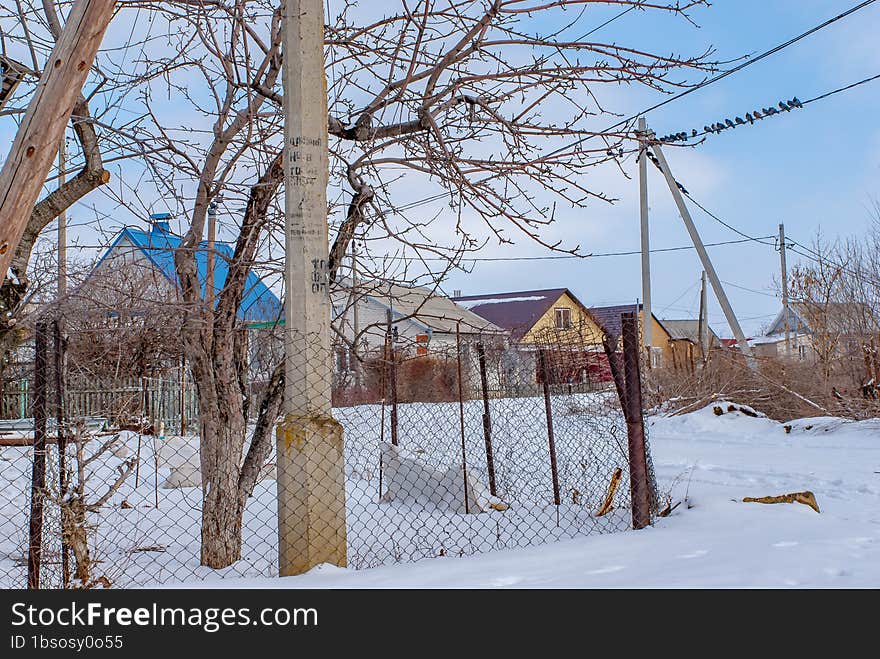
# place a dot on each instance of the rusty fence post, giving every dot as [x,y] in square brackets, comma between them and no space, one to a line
[487,419]
[635,429]
[392,377]
[61,441]
[461,415]
[38,474]
[548,412]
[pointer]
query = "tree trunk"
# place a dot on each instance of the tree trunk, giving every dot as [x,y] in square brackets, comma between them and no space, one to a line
[223,428]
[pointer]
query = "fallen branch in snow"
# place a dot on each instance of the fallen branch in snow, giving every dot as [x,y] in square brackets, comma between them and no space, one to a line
[807,498]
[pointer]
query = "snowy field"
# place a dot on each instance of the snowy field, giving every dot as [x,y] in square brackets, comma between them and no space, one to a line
[705,462]
[712,539]
[149,533]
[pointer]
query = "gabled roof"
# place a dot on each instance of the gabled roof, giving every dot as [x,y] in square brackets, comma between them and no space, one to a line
[839,317]
[516,312]
[258,304]
[435,312]
[609,317]
[687,330]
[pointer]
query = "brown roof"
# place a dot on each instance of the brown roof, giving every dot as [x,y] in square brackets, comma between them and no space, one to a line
[517,311]
[609,317]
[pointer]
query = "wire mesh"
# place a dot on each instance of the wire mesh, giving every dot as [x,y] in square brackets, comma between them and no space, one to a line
[467,444]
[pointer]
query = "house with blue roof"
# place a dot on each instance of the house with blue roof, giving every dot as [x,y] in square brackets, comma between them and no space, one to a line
[148,257]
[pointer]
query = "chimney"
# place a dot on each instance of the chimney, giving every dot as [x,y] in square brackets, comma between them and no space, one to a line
[456,292]
[159,222]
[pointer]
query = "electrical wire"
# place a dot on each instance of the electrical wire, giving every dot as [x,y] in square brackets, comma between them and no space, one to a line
[559,257]
[720,76]
[785,106]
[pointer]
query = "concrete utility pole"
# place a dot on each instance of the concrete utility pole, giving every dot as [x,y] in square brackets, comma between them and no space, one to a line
[311,484]
[704,258]
[784,273]
[703,324]
[62,223]
[646,248]
[36,141]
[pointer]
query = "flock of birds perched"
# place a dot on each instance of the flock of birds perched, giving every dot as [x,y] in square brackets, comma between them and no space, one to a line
[750,118]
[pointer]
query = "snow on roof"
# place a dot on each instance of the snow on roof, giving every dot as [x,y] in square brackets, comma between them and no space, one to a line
[469,304]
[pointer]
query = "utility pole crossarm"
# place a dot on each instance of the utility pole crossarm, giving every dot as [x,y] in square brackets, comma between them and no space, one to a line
[741,341]
[37,139]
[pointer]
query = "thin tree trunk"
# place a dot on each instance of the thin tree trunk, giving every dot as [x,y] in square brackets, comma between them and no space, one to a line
[223,429]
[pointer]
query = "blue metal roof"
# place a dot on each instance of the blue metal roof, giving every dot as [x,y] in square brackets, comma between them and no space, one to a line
[258,304]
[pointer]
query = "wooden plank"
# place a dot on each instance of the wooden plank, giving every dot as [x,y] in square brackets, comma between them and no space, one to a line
[42,128]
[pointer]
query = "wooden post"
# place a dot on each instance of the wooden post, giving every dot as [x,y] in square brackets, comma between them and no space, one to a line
[310,464]
[635,429]
[41,130]
[38,474]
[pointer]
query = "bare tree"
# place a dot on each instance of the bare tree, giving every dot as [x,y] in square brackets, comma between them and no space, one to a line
[31,29]
[471,104]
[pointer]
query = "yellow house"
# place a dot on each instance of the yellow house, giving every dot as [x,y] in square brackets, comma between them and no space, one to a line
[530,315]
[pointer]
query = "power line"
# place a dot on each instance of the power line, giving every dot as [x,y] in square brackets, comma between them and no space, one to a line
[610,20]
[756,115]
[720,76]
[750,290]
[559,257]
[843,89]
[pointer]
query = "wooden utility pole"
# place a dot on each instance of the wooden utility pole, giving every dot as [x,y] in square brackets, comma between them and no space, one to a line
[704,258]
[702,324]
[646,247]
[41,130]
[311,483]
[784,272]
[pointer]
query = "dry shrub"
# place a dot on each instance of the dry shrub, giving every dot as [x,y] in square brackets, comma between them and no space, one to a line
[782,389]
[427,380]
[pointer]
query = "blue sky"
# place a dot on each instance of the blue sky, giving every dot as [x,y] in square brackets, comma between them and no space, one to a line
[814,169]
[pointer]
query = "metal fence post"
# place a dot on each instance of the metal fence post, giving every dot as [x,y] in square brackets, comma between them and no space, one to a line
[392,377]
[545,381]
[61,440]
[635,429]
[461,416]
[38,474]
[487,420]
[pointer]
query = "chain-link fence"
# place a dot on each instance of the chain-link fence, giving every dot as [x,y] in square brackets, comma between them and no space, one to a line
[468,444]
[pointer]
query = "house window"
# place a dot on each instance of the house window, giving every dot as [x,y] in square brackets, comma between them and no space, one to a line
[802,352]
[656,357]
[563,318]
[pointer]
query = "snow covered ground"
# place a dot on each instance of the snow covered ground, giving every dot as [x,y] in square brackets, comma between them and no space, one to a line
[706,462]
[712,539]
